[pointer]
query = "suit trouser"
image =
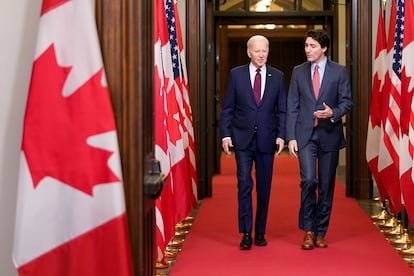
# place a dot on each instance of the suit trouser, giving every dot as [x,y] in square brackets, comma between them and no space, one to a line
[264,170]
[318,175]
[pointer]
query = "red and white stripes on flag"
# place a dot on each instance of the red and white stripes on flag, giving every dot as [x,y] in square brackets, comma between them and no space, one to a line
[71,216]
[174,144]
[164,205]
[388,158]
[185,105]
[375,127]
[407,112]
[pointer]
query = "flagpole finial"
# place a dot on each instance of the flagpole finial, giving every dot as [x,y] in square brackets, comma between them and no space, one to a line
[384,5]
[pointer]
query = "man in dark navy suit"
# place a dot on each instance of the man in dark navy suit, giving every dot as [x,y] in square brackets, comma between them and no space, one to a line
[252,122]
[319,95]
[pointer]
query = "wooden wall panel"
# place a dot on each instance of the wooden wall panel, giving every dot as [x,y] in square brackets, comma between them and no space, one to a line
[359,183]
[200,93]
[125,32]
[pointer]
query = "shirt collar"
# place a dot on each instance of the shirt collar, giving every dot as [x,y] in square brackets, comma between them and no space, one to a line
[321,64]
[253,68]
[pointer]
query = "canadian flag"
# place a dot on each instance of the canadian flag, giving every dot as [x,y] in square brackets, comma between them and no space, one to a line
[374,129]
[71,217]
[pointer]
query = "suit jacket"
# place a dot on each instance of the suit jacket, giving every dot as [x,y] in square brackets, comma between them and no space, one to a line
[335,91]
[240,116]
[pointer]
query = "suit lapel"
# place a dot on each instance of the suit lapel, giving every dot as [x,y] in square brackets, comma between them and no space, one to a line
[325,78]
[268,80]
[249,83]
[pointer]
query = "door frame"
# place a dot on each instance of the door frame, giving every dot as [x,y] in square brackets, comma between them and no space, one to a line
[224,34]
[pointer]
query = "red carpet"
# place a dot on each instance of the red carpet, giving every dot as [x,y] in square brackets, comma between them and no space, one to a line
[356,246]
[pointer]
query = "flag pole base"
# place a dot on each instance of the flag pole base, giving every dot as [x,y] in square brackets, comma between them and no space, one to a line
[160,265]
[389,223]
[396,231]
[405,239]
[381,216]
[407,252]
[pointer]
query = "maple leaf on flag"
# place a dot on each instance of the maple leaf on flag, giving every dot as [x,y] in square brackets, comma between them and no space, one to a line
[48,5]
[173,117]
[57,128]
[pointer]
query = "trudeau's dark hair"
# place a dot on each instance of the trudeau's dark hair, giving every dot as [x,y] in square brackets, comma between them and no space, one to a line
[321,36]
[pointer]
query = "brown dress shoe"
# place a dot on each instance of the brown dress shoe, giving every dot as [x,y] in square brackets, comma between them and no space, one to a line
[308,243]
[320,242]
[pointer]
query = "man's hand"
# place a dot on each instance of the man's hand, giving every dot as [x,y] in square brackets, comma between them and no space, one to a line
[280,145]
[293,148]
[226,143]
[325,113]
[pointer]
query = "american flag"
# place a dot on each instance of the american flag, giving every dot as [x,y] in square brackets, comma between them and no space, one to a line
[398,39]
[405,105]
[183,99]
[407,111]
[172,30]
[399,95]
[388,159]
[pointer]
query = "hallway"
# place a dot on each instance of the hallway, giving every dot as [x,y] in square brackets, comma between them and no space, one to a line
[370,207]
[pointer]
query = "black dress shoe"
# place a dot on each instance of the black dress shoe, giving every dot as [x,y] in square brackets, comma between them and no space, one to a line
[246,242]
[260,240]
